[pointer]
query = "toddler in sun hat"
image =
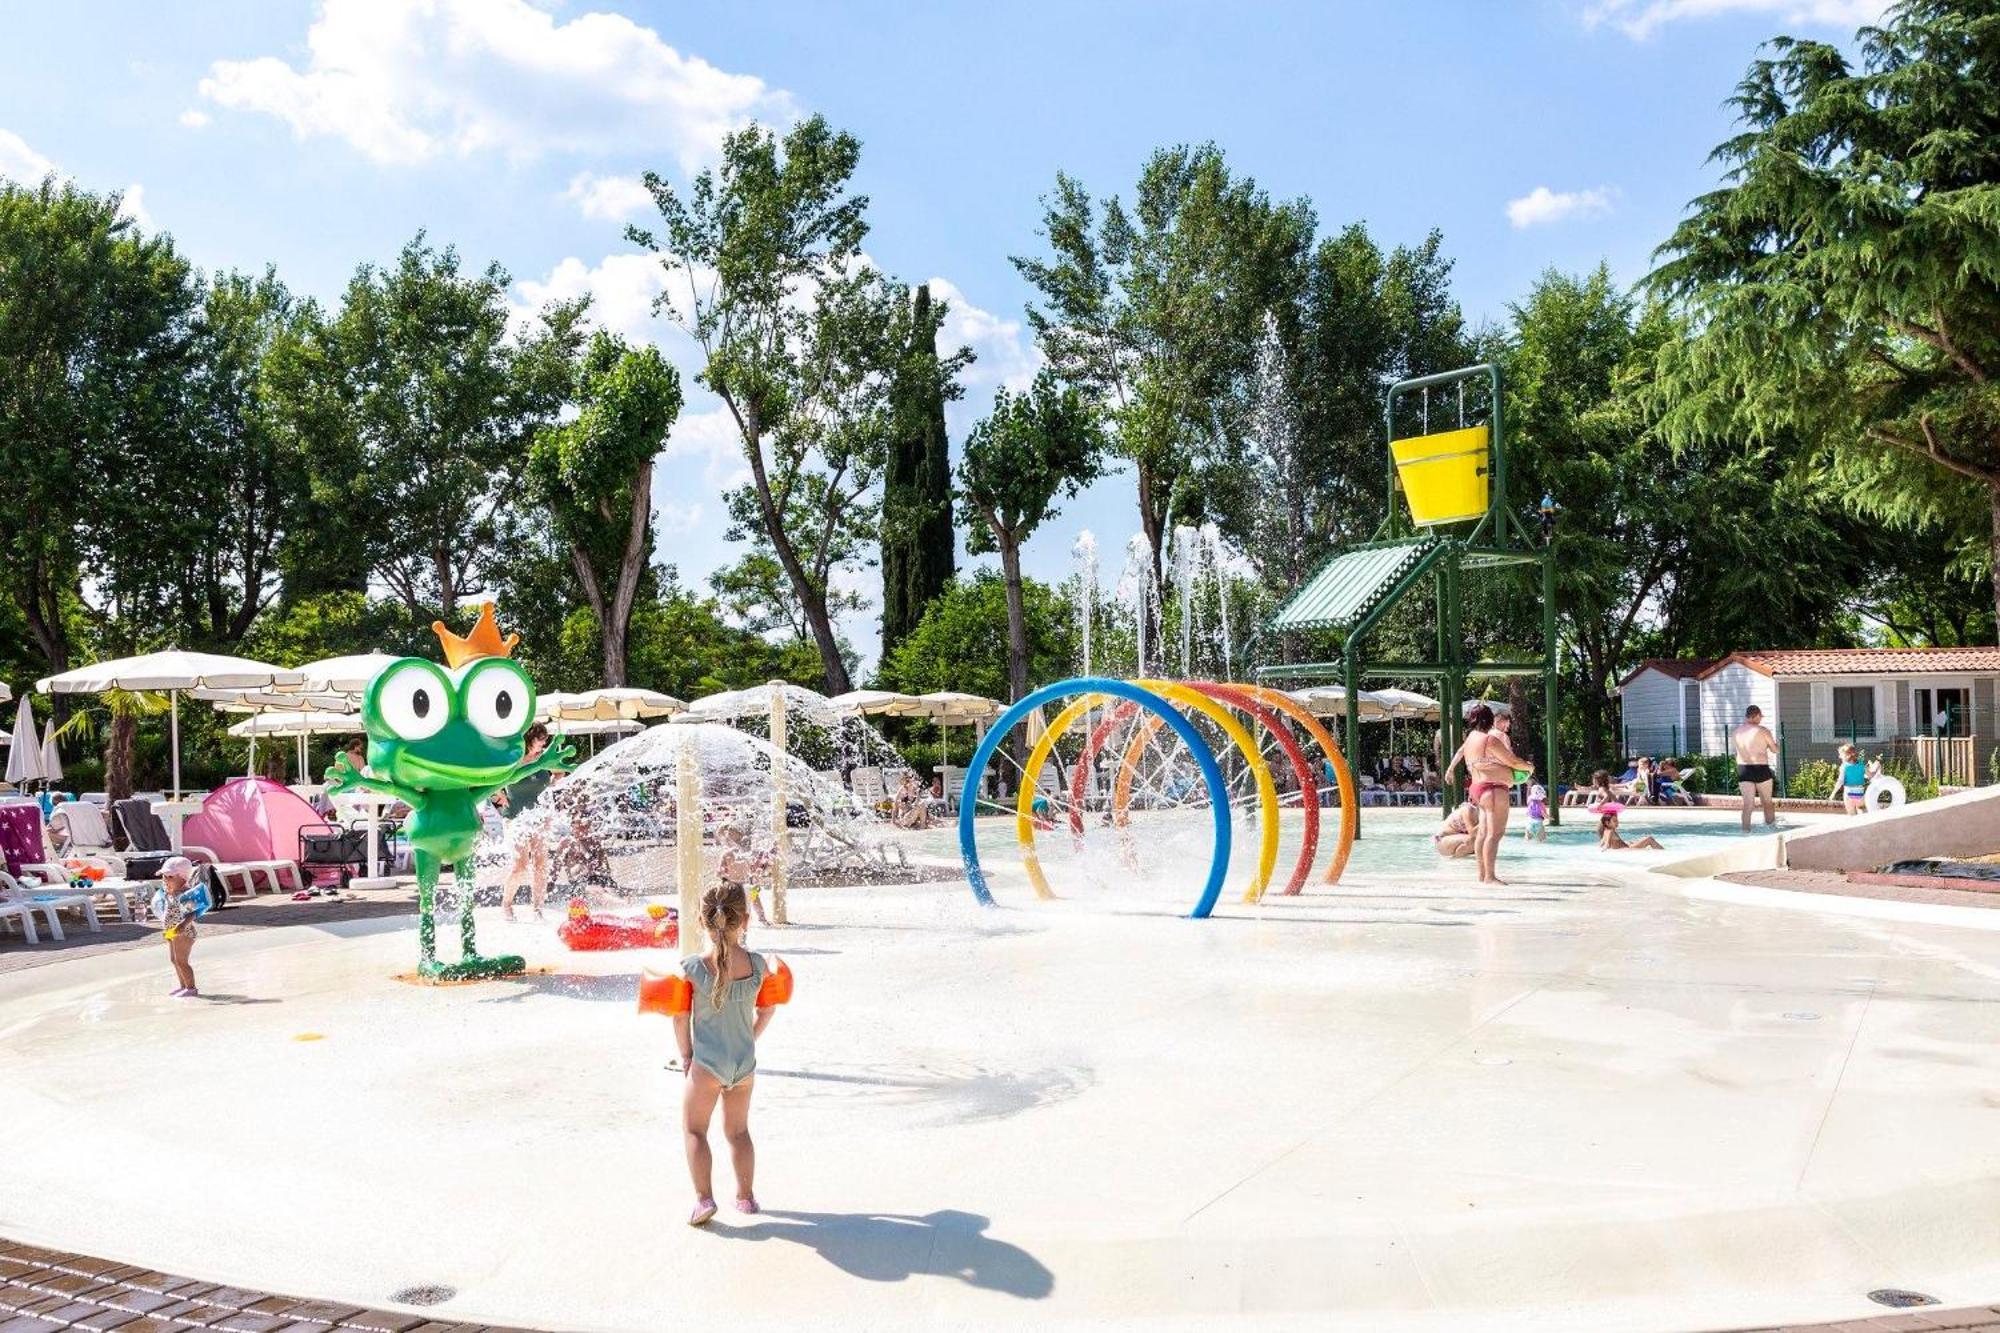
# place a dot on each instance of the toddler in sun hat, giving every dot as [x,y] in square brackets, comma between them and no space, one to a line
[1538,813]
[178,905]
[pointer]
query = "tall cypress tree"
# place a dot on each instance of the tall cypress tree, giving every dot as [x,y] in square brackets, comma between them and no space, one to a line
[918,541]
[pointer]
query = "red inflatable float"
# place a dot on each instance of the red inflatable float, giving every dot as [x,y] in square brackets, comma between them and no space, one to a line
[588,932]
[671,993]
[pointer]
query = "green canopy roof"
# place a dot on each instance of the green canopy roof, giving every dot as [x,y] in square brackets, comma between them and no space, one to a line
[1352,584]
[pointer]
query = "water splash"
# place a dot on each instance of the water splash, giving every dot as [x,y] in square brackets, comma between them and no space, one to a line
[1138,591]
[1085,552]
[612,827]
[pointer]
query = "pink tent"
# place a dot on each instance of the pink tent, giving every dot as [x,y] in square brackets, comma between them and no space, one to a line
[251,819]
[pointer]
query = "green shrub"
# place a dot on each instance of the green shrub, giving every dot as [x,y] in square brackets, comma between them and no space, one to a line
[1916,786]
[1698,773]
[1813,779]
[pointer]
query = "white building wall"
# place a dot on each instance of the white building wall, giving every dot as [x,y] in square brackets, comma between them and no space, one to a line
[1724,696]
[1649,707]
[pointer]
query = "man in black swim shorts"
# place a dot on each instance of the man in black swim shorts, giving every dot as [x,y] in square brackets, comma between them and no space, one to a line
[1756,747]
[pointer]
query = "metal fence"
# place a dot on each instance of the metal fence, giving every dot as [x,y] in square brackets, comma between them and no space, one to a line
[1958,751]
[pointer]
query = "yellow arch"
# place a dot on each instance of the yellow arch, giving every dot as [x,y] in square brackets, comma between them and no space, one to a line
[1031,775]
[1260,772]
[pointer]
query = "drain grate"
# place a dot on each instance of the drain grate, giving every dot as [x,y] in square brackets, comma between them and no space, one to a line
[1898,1299]
[427,1294]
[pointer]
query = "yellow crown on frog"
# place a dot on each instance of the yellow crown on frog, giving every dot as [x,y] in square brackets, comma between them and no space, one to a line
[484,641]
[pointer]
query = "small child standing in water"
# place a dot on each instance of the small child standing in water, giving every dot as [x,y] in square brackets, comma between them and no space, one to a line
[740,869]
[177,906]
[1538,814]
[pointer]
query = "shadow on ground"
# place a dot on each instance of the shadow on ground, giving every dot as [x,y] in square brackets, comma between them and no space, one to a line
[894,1247]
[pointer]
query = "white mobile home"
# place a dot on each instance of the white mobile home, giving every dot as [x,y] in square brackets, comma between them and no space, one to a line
[1932,706]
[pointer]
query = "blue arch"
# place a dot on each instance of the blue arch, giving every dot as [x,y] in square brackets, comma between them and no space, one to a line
[1211,773]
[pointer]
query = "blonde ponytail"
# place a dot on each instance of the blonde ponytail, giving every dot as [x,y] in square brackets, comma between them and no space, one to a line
[725,910]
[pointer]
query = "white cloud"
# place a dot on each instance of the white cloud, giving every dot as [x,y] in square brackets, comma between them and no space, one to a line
[132,205]
[673,518]
[21,163]
[194,118]
[612,198]
[1543,205]
[709,433]
[1006,354]
[407,81]
[18,162]
[621,288]
[1640,19]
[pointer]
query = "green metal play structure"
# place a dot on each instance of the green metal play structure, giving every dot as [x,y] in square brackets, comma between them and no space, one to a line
[1448,513]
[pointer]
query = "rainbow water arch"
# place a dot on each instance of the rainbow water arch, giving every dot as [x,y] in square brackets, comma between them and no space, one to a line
[1187,696]
[1157,699]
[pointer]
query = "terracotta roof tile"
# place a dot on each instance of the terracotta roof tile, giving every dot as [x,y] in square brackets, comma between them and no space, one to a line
[1677,668]
[1862,661]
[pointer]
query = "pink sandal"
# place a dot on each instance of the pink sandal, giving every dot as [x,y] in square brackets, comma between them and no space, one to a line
[747,1203]
[704,1212]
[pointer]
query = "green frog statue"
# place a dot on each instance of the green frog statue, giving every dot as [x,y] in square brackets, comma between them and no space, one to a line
[442,740]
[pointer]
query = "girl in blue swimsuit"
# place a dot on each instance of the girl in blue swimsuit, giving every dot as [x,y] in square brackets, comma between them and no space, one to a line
[729,1008]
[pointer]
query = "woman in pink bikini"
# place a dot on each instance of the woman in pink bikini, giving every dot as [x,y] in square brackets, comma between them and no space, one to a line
[1490,762]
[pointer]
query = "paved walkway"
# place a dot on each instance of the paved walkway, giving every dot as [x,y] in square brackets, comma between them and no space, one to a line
[1584,1101]
[44,1290]
[52,1289]
[1837,884]
[79,941]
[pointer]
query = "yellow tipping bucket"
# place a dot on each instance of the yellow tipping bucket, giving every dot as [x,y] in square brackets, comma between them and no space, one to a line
[1444,476]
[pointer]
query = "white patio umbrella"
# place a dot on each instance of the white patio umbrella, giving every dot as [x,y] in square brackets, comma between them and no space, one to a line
[1409,704]
[618,703]
[950,708]
[593,726]
[298,723]
[1331,701]
[260,701]
[344,675]
[173,671]
[51,757]
[24,760]
[727,704]
[880,703]
[6,692]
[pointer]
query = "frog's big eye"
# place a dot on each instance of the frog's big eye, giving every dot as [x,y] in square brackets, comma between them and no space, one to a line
[413,701]
[498,700]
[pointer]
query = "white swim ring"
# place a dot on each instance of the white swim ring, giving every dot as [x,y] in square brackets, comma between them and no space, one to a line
[1883,785]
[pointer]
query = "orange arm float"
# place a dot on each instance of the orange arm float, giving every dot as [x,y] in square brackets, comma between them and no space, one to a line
[665,993]
[776,987]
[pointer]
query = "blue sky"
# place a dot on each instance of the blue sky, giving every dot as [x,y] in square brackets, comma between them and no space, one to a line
[313,136]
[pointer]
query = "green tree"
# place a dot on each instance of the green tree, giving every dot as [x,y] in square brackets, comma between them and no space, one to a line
[1154,313]
[1704,549]
[801,339]
[1845,279]
[420,409]
[1030,449]
[95,326]
[202,568]
[595,475]
[961,643]
[918,539]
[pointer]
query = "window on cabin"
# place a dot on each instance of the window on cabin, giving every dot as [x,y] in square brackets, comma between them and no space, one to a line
[1853,711]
